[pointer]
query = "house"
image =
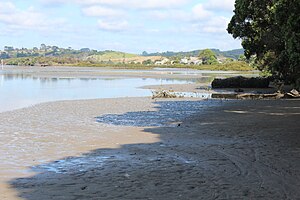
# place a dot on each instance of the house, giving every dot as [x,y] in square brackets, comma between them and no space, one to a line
[195,61]
[162,62]
[184,61]
[191,61]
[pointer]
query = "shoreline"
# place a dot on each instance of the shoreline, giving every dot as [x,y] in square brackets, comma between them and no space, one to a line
[137,147]
[52,139]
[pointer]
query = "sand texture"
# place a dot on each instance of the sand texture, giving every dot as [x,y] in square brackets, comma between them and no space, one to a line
[138,148]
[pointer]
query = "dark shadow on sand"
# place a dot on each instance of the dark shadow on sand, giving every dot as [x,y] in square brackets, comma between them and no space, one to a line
[221,159]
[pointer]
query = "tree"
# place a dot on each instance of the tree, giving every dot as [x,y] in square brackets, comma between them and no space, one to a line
[147,62]
[270,30]
[43,47]
[208,57]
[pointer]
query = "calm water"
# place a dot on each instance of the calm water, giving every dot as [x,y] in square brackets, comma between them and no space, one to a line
[18,90]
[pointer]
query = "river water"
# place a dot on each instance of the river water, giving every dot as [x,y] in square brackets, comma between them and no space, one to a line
[18,90]
[27,87]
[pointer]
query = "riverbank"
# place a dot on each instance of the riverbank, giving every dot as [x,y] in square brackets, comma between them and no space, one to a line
[140,148]
[157,149]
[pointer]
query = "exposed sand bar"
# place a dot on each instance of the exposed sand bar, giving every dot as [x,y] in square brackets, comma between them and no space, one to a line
[221,150]
[139,148]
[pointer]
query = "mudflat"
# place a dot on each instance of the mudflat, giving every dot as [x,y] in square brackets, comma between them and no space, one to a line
[139,148]
[103,149]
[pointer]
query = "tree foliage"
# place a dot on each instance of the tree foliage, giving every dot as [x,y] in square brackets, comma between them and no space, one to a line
[270,30]
[208,57]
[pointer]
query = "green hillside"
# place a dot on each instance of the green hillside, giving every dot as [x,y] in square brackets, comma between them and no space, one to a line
[229,54]
[110,55]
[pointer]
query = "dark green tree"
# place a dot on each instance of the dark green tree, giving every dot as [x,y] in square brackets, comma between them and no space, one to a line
[270,30]
[208,57]
[147,62]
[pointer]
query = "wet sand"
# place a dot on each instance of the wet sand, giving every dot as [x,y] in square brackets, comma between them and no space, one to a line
[139,148]
[103,149]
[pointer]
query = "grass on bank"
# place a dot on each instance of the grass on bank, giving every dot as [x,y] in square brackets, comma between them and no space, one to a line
[233,66]
[69,61]
[113,55]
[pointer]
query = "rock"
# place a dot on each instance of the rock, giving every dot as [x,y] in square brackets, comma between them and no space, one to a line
[241,82]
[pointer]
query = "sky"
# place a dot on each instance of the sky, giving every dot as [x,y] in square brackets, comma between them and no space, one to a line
[123,25]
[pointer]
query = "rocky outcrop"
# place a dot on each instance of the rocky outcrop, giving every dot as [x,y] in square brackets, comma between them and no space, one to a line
[241,82]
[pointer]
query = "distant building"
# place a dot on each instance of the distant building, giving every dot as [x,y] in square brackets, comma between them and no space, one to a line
[195,61]
[191,61]
[184,61]
[162,62]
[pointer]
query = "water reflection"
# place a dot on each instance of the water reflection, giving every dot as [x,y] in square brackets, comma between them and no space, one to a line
[22,90]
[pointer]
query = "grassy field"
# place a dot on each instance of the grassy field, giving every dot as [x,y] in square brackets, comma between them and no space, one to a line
[120,57]
[111,56]
[233,66]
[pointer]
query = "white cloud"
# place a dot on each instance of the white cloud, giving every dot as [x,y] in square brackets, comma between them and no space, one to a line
[30,18]
[132,4]
[216,25]
[100,11]
[223,5]
[197,13]
[200,13]
[113,26]
[173,14]
[7,7]
[157,4]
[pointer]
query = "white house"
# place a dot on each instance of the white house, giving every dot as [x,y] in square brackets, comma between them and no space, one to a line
[162,62]
[195,61]
[184,61]
[191,61]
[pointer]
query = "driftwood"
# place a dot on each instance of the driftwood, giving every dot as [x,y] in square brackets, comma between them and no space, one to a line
[260,96]
[241,82]
[163,94]
[248,96]
[293,94]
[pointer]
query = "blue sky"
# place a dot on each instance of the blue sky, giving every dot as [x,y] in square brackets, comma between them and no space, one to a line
[124,25]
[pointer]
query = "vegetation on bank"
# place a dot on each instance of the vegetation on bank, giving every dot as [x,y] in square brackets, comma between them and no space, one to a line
[234,54]
[67,61]
[53,56]
[206,59]
[234,66]
[110,56]
[270,32]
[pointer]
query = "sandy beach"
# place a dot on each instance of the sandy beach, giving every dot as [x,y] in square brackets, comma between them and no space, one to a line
[140,148]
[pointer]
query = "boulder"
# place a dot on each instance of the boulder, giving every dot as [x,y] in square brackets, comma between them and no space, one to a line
[241,82]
